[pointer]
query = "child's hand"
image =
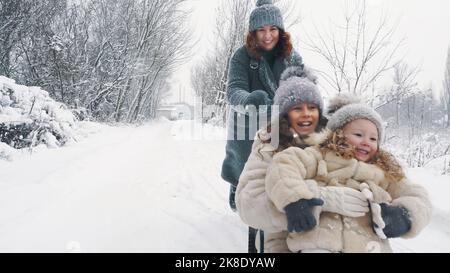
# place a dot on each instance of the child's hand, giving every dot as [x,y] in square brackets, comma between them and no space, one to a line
[300,216]
[365,189]
[396,219]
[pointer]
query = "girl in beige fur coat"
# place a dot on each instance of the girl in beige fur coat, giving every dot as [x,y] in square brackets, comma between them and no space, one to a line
[299,124]
[349,157]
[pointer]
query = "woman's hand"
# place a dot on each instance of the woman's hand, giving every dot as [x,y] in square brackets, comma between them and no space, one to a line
[257,98]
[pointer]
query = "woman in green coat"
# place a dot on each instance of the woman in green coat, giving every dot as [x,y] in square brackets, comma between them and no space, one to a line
[254,75]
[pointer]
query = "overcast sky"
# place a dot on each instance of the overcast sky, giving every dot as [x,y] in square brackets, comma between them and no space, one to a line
[424,23]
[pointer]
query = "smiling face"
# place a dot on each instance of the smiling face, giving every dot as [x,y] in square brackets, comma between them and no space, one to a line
[304,118]
[267,37]
[362,134]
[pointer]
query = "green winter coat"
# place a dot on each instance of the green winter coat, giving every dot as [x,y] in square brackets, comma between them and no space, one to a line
[247,74]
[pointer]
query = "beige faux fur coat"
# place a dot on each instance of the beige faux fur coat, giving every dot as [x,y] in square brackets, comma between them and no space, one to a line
[269,183]
[251,199]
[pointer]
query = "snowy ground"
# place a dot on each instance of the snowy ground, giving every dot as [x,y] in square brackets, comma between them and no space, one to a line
[154,188]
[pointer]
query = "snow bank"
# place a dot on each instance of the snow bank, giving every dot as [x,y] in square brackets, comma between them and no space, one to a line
[29,117]
[436,236]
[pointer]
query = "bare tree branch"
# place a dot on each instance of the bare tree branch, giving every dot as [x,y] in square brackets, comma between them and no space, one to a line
[357,56]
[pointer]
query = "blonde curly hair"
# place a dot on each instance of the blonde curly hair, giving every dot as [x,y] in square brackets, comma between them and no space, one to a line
[337,143]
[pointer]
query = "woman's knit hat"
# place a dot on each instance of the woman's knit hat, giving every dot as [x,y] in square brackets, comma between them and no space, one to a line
[265,14]
[297,85]
[343,109]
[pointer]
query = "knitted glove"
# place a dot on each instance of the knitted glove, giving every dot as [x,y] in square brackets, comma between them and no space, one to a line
[299,214]
[345,201]
[375,208]
[257,98]
[396,219]
[377,220]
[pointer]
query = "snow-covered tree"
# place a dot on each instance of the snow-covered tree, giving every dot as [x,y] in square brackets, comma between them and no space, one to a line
[446,89]
[26,25]
[11,19]
[112,57]
[404,85]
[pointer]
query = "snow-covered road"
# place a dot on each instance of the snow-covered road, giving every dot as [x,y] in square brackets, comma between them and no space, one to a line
[124,189]
[142,189]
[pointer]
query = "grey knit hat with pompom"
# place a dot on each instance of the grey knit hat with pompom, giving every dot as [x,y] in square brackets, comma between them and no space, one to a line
[343,109]
[297,85]
[265,14]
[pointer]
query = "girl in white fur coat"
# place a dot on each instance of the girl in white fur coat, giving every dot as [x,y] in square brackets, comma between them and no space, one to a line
[398,207]
[258,211]
[297,88]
